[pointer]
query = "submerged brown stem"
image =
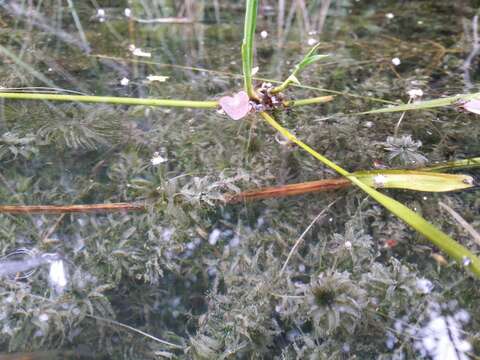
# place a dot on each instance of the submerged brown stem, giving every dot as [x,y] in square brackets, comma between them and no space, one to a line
[249,195]
[288,190]
[62,209]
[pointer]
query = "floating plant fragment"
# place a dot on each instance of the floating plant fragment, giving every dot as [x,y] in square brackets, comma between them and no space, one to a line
[236,106]
[472,106]
[405,149]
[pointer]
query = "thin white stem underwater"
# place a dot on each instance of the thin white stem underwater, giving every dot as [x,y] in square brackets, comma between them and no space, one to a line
[113,322]
[300,239]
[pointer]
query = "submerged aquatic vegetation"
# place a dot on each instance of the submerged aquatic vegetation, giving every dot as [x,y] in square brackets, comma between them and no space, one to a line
[335,301]
[405,150]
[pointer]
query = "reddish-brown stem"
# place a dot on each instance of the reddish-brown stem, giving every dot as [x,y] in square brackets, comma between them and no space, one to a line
[288,190]
[250,195]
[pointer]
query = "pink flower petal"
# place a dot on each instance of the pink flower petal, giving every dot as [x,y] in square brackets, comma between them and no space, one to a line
[236,107]
[472,106]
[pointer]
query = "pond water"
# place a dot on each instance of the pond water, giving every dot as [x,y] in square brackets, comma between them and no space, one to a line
[180,273]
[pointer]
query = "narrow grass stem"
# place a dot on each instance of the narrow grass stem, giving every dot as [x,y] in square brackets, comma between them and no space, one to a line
[437,237]
[111,100]
[283,85]
[138,331]
[309,101]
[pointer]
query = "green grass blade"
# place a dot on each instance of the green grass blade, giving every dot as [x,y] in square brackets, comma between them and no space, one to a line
[247,46]
[422,105]
[444,242]
[308,59]
[454,165]
[415,180]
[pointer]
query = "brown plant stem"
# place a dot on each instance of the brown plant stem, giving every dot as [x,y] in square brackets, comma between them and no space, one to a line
[249,195]
[287,190]
[62,209]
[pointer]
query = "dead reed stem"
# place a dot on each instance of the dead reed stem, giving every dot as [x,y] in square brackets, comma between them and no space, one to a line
[246,196]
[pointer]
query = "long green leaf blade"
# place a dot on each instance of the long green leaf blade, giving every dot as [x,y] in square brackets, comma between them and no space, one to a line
[423,105]
[415,180]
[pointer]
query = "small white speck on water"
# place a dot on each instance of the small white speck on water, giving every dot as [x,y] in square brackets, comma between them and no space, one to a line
[424,286]
[396,61]
[214,236]
[466,261]
[234,242]
[157,159]
[415,93]
[43,317]
[100,15]
[389,16]
[140,53]
[425,198]
[264,34]
[311,41]
[124,81]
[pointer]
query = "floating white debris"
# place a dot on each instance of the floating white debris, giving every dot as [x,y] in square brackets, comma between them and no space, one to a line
[424,286]
[214,236]
[124,81]
[311,41]
[415,94]
[466,261]
[100,15]
[57,275]
[396,61]
[159,78]
[140,53]
[157,159]
[389,16]
[264,34]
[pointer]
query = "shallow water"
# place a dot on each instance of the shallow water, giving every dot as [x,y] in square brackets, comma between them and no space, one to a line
[188,276]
